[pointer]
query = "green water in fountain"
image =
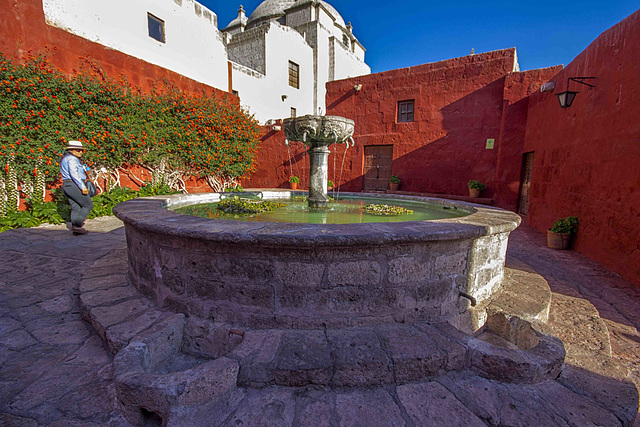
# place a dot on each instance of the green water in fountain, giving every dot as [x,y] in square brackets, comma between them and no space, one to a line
[343,211]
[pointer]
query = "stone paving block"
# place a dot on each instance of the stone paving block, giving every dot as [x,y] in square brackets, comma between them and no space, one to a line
[91,353]
[496,361]
[315,408]
[61,304]
[415,356]
[52,387]
[9,420]
[531,305]
[163,338]
[8,324]
[577,410]
[617,395]
[206,338]
[358,359]
[110,296]
[265,407]
[118,336]
[430,404]
[71,332]
[208,414]
[103,282]
[506,404]
[256,356]
[17,340]
[303,357]
[105,271]
[368,407]
[456,353]
[158,393]
[102,318]
[91,401]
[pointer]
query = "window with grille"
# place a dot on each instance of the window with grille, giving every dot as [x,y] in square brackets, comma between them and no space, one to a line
[156,28]
[294,75]
[405,111]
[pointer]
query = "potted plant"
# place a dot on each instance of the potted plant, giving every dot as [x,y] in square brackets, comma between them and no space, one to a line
[559,235]
[475,188]
[329,185]
[293,182]
[394,183]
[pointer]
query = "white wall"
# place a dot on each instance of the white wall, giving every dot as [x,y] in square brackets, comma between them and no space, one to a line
[261,94]
[193,48]
[347,64]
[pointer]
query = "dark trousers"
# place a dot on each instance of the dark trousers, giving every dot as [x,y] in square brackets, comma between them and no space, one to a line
[81,204]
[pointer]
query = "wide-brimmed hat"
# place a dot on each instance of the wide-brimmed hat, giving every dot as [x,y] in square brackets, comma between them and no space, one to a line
[75,145]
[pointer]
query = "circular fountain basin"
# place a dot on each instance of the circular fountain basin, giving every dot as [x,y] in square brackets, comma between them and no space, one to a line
[279,275]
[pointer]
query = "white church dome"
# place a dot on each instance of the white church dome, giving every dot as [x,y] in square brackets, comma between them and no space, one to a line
[273,9]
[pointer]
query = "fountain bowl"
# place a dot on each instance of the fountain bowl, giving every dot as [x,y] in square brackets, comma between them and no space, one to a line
[279,275]
[317,130]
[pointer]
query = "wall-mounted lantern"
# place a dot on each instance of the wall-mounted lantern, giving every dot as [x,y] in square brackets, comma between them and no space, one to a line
[566,98]
[357,87]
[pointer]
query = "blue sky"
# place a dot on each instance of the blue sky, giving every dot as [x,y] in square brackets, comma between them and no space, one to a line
[413,32]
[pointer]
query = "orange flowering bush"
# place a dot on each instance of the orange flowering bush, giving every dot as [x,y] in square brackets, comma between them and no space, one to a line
[168,131]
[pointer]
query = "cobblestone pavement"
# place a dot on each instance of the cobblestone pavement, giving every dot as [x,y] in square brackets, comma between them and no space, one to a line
[55,370]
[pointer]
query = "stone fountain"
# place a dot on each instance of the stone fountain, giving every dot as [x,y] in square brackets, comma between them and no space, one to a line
[318,132]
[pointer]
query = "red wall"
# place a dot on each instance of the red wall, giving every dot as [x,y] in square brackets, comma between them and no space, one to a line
[587,157]
[276,163]
[23,29]
[459,104]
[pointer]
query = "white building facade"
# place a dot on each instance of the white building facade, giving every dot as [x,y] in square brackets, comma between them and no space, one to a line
[277,60]
[295,47]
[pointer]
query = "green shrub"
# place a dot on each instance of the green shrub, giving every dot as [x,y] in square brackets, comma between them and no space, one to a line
[59,211]
[394,179]
[565,225]
[294,179]
[234,189]
[476,184]
[166,131]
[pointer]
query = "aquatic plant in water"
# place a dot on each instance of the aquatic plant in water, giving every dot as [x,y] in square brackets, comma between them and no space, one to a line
[240,206]
[386,210]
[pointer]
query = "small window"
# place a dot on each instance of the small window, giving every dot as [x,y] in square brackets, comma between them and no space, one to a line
[345,40]
[293,112]
[405,111]
[294,72]
[156,28]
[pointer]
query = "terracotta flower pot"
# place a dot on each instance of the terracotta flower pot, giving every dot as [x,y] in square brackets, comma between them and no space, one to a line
[393,186]
[293,185]
[474,193]
[558,240]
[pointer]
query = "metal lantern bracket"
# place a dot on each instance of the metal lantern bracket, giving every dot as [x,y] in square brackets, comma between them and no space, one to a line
[566,98]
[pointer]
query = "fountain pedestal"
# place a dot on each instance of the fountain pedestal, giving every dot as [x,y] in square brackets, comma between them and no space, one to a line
[318,132]
[318,175]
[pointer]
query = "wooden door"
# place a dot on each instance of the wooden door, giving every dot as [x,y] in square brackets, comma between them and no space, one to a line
[377,167]
[525,183]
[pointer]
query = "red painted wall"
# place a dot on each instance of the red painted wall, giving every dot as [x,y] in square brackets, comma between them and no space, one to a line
[587,157]
[459,104]
[276,163]
[23,29]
